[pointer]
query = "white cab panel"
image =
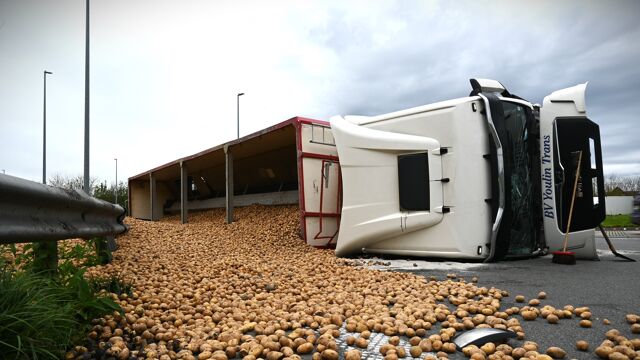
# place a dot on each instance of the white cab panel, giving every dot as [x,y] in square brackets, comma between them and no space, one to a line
[372,219]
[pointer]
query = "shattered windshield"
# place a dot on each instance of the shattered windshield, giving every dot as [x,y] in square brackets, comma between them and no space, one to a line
[523,225]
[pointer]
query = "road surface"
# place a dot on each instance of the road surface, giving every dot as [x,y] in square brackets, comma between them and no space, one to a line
[610,287]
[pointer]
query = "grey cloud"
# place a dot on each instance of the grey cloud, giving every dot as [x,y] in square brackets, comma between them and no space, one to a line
[433,57]
[375,57]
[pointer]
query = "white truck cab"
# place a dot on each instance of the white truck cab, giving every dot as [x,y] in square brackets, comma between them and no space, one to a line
[477,177]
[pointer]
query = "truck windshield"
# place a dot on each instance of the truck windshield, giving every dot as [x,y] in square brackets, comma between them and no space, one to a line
[519,146]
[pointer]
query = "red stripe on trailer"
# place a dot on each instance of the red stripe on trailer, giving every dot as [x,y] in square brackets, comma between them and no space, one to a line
[302,120]
[317,214]
[319,156]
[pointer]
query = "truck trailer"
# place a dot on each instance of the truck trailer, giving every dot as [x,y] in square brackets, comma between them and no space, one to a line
[485,177]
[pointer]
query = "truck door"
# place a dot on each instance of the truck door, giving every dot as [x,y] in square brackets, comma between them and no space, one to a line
[565,130]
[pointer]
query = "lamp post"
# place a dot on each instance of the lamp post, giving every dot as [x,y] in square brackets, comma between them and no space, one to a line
[44,129]
[45,252]
[116,191]
[86,104]
[238,102]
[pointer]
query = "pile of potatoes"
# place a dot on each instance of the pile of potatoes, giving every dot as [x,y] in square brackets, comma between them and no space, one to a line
[253,290]
[618,347]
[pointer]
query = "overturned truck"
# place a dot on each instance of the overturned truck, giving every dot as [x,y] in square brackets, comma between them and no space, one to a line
[487,177]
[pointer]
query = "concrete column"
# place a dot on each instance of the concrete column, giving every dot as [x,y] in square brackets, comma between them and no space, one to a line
[229,182]
[184,182]
[153,196]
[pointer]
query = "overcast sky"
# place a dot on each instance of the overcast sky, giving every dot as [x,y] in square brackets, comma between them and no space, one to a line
[164,74]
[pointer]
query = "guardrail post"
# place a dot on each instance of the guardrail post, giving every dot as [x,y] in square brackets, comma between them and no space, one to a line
[45,257]
[183,192]
[103,250]
[229,183]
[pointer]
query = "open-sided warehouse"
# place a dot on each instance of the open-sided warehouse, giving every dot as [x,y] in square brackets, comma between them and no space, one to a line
[293,162]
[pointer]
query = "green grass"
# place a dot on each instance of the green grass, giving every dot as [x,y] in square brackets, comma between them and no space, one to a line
[42,316]
[618,221]
[36,321]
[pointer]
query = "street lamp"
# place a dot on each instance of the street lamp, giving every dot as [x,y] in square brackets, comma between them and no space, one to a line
[116,159]
[45,251]
[86,182]
[44,130]
[238,102]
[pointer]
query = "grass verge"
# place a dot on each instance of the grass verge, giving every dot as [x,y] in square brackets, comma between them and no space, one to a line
[36,320]
[618,221]
[41,317]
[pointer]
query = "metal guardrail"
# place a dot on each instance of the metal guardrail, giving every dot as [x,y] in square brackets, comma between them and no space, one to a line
[30,211]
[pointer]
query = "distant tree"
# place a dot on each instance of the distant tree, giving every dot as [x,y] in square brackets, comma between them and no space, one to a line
[108,193]
[611,182]
[625,183]
[632,183]
[100,190]
[75,182]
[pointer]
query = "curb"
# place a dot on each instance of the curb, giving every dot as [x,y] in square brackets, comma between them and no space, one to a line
[622,228]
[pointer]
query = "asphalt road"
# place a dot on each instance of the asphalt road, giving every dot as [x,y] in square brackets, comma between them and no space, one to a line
[609,287]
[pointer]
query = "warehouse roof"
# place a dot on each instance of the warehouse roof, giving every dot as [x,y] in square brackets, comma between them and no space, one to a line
[273,137]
